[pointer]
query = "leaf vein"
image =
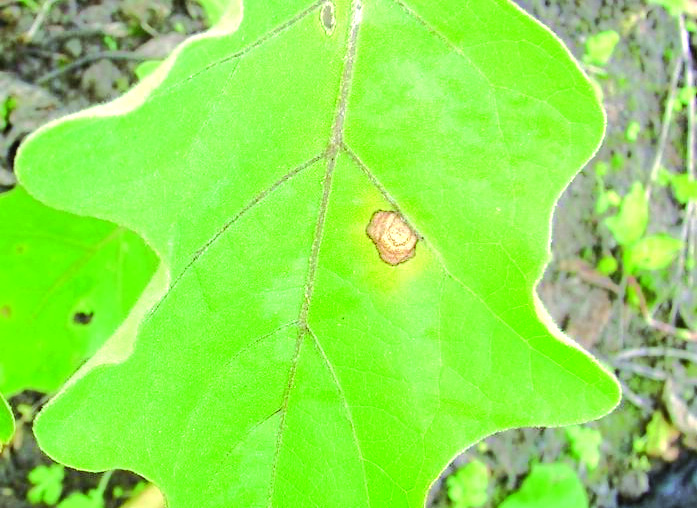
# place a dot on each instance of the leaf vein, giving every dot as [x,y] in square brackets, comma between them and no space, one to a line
[331,153]
[347,408]
[245,50]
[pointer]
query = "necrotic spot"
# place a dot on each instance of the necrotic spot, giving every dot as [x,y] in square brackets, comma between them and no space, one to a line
[394,239]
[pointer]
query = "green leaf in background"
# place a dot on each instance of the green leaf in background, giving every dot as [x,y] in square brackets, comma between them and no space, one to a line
[285,363]
[632,132]
[600,46]
[584,444]
[7,422]
[553,485]
[651,253]
[214,9]
[467,487]
[684,187]
[67,283]
[674,7]
[47,484]
[146,68]
[630,223]
[93,499]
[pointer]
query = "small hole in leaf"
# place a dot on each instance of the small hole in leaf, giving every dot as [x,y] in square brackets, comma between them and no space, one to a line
[83,318]
[20,248]
[327,17]
[6,311]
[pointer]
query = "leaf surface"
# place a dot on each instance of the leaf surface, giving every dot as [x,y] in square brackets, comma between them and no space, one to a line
[287,365]
[67,283]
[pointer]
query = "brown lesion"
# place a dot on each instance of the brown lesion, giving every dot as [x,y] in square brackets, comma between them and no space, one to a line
[394,239]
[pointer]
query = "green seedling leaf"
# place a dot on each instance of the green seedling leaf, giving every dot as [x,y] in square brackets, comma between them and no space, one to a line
[584,443]
[599,47]
[674,7]
[633,130]
[283,359]
[93,499]
[146,68]
[630,223]
[549,486]
[684,187]
[607,265]
[661,437]
[110,42]
[47,484]
[214,9]
[7,422]
[7,105]
[467,487]
[651,253]
[607,199]
[685,95]
[67,283]
[601,169]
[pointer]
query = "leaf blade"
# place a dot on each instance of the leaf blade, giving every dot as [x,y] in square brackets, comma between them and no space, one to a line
[267,324]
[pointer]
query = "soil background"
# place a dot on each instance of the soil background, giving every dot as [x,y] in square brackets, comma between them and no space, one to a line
[84,52]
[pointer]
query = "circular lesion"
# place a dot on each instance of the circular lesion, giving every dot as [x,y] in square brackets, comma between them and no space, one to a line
[393,237]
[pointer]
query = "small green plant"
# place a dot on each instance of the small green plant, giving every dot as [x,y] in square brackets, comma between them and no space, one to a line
[146,68]
[684,96]
[632,132]
[110,42]
[92,499]
[214,9]
[6,107]
[660,438]
[584,444]
[674,7]
[683,185]
[467,488]
[32,5]
[553,485]
[599,47]
[628,226]
[47,484]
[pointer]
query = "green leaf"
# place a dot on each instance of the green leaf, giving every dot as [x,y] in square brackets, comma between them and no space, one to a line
[685,188]
[93,499]
[468,486]
[600,46]
[633,130]
[607,265]
[549,486]
[146,68]
[630,223]
[584,443]
[47,484]
[7,422]
[214,9]
[67,283]
[284,363]
[652,253]
[674,7]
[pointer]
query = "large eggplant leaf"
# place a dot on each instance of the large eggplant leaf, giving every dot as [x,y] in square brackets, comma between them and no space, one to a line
[66,283]
[284,363]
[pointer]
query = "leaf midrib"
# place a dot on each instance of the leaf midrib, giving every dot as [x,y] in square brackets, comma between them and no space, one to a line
[332,151]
